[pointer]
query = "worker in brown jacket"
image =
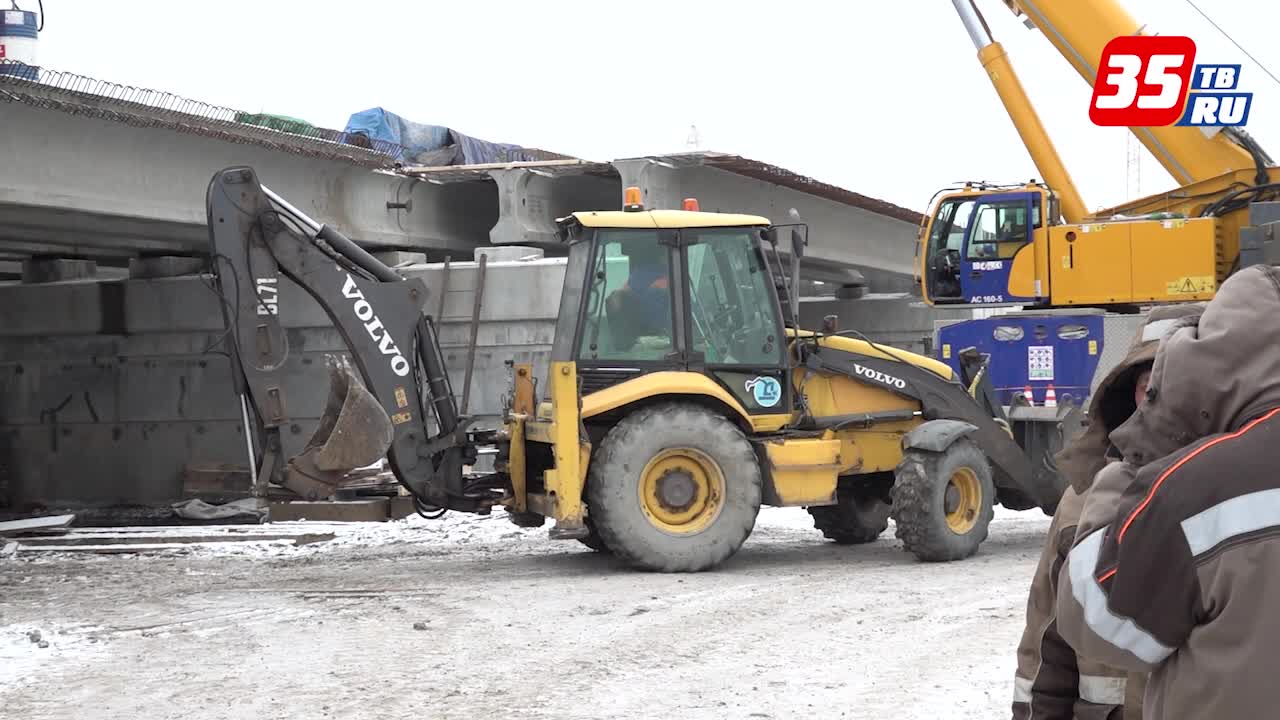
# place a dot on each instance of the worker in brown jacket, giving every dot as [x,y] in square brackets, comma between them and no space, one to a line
[1176,563]
[1052,683]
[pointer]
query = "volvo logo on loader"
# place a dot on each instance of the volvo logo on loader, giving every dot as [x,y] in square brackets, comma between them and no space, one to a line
[880,377]
[379,333]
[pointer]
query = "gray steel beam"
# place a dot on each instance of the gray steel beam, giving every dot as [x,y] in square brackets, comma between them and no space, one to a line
[86,182]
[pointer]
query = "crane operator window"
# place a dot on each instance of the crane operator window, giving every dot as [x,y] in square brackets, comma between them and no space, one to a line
[733,317]
[950,224]
[999,231]
[946,239]
[628,314]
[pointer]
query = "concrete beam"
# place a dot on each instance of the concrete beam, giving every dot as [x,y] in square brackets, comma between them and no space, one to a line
[659,182]
[77,185]
[530,200]
[165,266]
[839,235]
[84,181]
[48,270]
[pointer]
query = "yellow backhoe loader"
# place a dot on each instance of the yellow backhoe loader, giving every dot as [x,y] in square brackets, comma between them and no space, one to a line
[681,396]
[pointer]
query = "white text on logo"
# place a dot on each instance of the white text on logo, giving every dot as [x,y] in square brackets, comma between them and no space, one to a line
[364,311]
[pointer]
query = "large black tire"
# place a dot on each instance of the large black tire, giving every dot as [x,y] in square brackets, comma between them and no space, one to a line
[593,539]
[932,525]
[857,517]
[614,486]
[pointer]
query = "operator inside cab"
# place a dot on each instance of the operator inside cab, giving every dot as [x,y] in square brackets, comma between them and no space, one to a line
[642,306]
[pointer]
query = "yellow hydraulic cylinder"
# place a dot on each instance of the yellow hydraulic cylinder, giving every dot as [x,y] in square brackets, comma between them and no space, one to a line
[1034,136]
[1022,112]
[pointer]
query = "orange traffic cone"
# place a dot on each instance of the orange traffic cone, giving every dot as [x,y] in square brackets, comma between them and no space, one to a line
[1050,397]
[1028,396]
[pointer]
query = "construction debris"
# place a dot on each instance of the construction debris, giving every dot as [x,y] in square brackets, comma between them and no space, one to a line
[201,510]
[95,542]
[120,540]
[366,510]
[35,525]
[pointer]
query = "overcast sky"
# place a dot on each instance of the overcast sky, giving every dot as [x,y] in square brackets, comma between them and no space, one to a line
[886,99]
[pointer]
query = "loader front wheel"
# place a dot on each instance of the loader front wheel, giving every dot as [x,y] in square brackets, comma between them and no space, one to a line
[858,517]
[593,540]
[674,487]
[943,502]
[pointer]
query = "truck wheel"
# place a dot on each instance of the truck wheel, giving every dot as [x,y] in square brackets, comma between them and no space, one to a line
[942,502]
[856,518]
[592,540]
[675,488]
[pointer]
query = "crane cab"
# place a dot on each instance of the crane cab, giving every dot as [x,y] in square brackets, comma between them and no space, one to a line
[986,246]
[1002,246]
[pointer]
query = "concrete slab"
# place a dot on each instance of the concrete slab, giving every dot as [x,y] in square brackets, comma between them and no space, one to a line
[40,524]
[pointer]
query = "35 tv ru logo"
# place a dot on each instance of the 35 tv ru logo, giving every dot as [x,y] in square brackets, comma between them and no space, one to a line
[1153,81]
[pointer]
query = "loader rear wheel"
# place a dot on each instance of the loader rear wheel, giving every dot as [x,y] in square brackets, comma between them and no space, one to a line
[674,488]
[942,502]
[857,517]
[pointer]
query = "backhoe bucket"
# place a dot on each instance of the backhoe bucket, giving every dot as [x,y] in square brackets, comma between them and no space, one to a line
[354,431]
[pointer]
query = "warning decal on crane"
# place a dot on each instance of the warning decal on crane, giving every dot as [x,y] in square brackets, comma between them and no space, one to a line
[1191,285]
[1040,362]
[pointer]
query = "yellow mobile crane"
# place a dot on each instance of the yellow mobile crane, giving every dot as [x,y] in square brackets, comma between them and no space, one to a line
[1036,244]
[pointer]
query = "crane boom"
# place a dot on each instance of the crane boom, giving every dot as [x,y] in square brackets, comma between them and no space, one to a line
[1080,29]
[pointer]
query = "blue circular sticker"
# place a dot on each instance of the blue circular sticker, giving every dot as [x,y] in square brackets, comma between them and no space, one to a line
[767,391]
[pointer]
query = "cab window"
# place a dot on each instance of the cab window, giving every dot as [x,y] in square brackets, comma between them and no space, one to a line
[733,314]
[628,306]
[999,230]
[947,231]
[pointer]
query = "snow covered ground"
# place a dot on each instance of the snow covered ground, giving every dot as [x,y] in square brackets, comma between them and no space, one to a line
[471,617]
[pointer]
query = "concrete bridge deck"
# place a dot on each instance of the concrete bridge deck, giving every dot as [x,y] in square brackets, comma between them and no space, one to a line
[94,170]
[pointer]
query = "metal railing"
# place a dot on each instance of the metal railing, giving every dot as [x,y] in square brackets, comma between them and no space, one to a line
[147,108]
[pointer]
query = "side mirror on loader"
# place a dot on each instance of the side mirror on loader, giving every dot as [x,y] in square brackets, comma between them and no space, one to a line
[798,241]
[799,237]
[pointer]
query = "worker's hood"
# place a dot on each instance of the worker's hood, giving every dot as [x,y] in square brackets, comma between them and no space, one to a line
[1212,376]
[1112,403]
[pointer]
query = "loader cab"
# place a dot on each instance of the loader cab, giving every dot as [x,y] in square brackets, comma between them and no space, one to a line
[979,247]
[669,290]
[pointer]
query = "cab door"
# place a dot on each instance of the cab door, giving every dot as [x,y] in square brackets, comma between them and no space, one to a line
[629,318]
[1001,225]
[733,321]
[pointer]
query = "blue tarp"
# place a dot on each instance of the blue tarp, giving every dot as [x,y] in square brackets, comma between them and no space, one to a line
[432,145]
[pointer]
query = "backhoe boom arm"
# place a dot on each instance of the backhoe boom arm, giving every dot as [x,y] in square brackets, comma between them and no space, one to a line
[256,237]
